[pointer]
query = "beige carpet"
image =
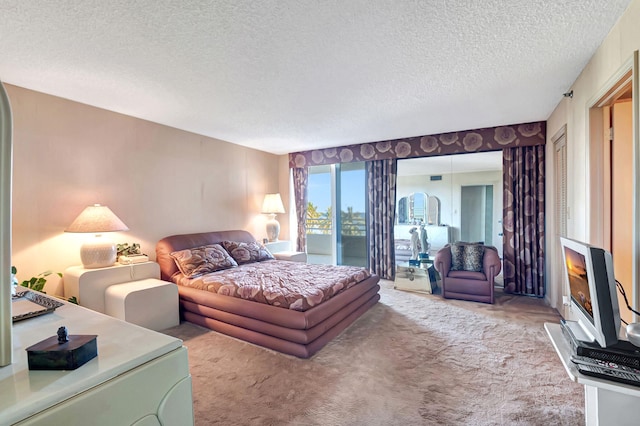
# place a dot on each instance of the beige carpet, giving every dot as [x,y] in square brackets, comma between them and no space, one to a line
[412,359]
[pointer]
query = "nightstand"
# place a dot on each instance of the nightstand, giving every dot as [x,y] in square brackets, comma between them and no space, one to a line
[89,285]
[281,250]
[278,246]
[150,303]
[133,293]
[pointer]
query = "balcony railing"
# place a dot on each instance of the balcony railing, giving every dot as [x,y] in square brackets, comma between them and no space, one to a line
[353,241]
[350,226]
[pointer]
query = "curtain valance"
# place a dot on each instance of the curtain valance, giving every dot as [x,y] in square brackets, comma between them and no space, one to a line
[478,140]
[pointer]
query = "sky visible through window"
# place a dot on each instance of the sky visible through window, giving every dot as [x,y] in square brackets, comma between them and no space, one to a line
[352,190]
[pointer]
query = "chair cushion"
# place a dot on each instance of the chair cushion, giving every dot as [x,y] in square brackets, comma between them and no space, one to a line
[468,275]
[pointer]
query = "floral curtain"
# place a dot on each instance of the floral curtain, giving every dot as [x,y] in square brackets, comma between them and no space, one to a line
[462,142]
[300,183]
[523,220]
[381,184]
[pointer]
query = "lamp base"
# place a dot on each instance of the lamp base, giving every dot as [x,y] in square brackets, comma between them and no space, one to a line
[273,228]
[98,253]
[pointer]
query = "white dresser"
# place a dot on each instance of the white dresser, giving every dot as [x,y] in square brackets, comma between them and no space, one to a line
[139,376]
[437,235]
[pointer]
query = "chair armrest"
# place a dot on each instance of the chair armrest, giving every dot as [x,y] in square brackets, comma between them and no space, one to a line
[491,262]
[442,261]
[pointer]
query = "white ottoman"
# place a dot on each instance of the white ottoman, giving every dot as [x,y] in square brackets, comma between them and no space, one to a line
[294,256]
[150,303]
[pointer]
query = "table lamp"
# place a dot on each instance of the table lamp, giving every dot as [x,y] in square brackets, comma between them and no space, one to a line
[99,252]
[272,205]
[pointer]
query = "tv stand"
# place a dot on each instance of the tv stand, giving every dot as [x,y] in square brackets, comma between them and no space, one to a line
[578,332]
[605,402]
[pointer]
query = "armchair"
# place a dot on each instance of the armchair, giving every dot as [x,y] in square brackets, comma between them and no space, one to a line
[471,285]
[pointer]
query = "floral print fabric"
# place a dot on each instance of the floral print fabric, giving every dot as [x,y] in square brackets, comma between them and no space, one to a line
[292,285]
[247,252]
[486,139]
[524,233]
[300,184]
[202,260]
[381,184]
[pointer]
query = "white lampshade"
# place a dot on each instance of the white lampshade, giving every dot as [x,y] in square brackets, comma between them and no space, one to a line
[100,252]
[272,205]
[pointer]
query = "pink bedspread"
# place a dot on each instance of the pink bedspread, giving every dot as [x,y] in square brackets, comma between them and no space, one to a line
[293,285]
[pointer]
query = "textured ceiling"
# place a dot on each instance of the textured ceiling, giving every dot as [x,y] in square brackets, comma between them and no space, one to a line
[291,75]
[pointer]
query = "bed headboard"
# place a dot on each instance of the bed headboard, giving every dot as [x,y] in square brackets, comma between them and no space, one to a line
[167,245]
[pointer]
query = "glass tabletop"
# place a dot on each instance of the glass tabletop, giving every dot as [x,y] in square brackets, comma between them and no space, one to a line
[424,264]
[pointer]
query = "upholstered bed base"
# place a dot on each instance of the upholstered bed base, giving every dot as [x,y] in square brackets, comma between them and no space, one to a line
[300,343]
[289,331]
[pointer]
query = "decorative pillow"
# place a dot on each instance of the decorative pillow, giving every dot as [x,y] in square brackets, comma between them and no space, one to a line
[467,256]
[247,252]
[457,257]
[472,259]
[198,261]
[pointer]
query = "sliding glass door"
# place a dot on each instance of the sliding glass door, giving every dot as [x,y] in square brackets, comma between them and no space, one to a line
[320,220]
[351,202]
[336,215]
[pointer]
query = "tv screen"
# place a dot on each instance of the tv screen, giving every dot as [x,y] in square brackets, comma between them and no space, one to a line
[578,281]
[594,313]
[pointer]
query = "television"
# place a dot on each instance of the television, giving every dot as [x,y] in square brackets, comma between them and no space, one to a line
[594,311]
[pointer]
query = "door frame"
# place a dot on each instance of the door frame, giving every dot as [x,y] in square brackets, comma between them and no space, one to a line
[618,83]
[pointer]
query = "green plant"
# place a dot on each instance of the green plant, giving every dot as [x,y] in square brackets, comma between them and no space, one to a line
[37,283]
[125,249]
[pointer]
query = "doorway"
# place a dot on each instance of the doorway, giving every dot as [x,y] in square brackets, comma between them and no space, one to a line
[614,161]
[621,197]
[476,213]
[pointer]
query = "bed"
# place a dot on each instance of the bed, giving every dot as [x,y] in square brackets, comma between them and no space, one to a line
[292,317]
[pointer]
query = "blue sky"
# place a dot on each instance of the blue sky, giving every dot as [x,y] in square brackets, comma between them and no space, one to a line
[353,192]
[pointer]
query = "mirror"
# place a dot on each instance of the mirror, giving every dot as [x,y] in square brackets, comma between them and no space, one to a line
[433,213]
[412,210]
[463,196]
[6,346]
[418,208]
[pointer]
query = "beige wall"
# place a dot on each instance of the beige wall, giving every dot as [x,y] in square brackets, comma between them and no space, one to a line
[159,180]
[616,49]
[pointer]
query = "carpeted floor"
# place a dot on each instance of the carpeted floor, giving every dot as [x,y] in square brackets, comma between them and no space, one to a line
[412,359]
